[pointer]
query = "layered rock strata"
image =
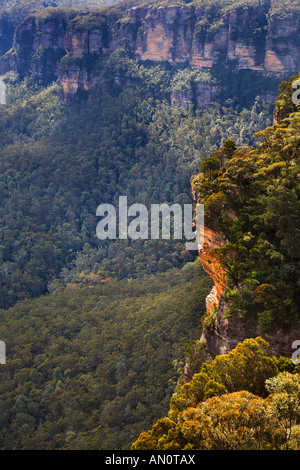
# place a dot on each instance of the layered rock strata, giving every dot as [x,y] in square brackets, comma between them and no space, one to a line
[187,35]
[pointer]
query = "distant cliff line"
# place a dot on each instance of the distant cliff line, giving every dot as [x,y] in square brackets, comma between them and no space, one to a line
[54,44]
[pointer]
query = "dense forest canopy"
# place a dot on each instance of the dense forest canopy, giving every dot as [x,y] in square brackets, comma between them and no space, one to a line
[261,188]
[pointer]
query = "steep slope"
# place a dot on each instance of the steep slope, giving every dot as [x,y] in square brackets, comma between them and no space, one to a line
[239,401]
[252,224]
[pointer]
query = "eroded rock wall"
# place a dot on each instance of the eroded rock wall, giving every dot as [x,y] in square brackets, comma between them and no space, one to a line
[241,39]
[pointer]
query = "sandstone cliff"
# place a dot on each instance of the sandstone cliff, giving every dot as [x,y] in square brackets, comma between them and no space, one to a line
[227,332]
[252,38]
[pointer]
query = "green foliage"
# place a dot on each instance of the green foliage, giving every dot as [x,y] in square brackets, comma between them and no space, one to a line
[217,410]
[91,368]
[88,21]
[210,319]
[184,79]
[284,103]
[281,7]
[245,368]
[195,354]
[163,436]
[210,164]
[94,363]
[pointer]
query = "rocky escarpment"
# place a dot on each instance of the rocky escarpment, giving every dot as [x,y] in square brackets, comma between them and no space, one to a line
[39,44]
[227,332]
[201,37]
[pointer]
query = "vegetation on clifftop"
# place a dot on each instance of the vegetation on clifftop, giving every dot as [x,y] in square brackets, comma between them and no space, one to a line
[252,196]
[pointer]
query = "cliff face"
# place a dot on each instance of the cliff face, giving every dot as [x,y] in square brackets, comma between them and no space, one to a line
[241,39]
[198,95]
[227,332]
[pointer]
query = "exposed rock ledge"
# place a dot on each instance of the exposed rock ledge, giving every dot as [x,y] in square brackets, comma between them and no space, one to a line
[228,332]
